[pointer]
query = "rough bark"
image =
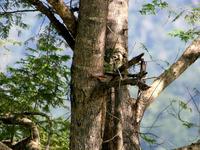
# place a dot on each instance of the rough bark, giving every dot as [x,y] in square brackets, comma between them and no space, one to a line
[109,136]
[87,101]
[124,114]
[67,16]
[120,108]
[193,146]
[115,56]
[30,143]
[62,30]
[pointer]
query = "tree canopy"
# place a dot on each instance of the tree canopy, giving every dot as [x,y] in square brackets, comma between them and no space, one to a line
[41,80]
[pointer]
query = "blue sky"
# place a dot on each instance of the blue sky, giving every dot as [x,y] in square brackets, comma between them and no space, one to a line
[153,32]
[9,54]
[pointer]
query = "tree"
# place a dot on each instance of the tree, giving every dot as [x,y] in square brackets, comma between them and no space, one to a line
[27,95]
[28,92]
[104,116]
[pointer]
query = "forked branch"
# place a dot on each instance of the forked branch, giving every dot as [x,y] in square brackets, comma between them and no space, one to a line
[62,30]
[32,141]
[64,12]
[121,77]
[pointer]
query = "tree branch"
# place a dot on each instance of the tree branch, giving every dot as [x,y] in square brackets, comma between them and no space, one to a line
[193,146]
[43,115]
[4,146]
[138,75]
[131,62]
[64,12]
[10,119]
[17,11]
[62,30]
[127,81]
[190,55]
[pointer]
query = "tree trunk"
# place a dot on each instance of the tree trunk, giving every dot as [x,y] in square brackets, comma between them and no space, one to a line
[87,100]
[94,107]
[193,146]
[120,119]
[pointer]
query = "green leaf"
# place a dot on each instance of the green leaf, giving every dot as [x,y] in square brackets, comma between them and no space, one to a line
[148,139]
[183,105]
[147,9]
[65,58]
[151,8]
[188,124]
[193,16]
[185,35]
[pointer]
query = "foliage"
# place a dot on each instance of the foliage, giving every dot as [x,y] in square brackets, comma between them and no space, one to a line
[191,17]
[12,132]
[11,19]
[59,137]
[185,35]
[36,83]
[183,107]
[151,8]
[40,81]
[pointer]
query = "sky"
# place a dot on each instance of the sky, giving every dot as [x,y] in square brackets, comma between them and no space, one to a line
[152,31]
[9,54]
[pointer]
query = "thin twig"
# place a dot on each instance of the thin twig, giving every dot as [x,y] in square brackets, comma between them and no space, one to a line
[17,11]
